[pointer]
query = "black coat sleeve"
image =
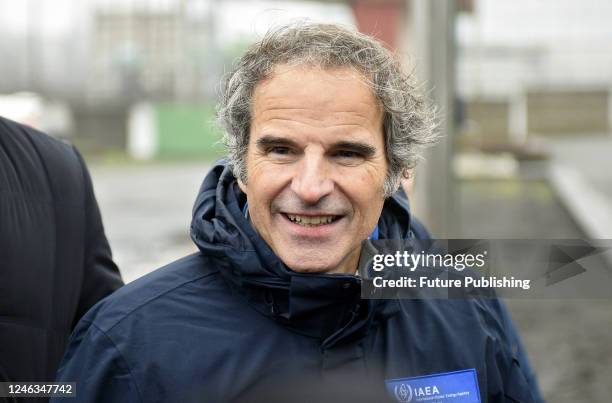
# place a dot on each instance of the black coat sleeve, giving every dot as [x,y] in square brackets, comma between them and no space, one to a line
[100,274]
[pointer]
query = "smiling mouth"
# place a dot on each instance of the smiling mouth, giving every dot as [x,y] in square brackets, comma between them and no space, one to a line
[312,221]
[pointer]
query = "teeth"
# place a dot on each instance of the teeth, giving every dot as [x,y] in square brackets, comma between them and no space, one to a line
[311,220]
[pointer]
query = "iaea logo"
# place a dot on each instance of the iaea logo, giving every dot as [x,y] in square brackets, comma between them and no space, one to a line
[403,392]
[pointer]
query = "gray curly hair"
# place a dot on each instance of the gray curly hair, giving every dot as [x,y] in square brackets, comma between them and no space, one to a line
[408,122]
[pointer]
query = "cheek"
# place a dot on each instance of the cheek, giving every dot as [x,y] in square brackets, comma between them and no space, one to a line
[373,185]
[265,183]
[365,194]
[366,186]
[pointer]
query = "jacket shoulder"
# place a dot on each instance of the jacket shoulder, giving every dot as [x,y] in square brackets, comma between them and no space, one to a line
[50,149]
[150,293]
[43,160]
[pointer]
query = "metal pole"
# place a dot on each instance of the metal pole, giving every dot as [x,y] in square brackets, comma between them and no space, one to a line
[434,44]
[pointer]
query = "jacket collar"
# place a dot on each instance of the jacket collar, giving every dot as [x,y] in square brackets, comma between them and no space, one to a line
[325,306]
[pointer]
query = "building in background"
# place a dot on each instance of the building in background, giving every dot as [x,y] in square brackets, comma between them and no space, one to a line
[542,67]
[102,57]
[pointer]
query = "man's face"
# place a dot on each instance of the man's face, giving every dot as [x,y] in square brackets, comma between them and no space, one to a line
[315,166]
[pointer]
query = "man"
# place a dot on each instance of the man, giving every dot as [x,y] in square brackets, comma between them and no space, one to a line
[321,126]
[55,262]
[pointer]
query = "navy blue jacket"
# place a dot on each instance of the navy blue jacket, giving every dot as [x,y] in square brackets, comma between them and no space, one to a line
[232,323]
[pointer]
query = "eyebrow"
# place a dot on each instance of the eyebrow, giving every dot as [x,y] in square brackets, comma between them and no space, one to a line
[267,141]
[362,148]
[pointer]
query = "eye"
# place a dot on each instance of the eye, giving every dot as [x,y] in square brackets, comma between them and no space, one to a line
[281,153]
[278,150]
[348,157]
[348,154]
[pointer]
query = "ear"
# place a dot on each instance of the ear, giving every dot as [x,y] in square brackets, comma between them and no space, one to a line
[408,181]
[242,186]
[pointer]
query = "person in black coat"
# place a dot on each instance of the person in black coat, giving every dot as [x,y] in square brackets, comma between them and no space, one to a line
[55,261]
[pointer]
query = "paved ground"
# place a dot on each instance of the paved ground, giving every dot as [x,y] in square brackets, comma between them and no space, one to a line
[147,211]
[568,340]
[581,174]
[591,155]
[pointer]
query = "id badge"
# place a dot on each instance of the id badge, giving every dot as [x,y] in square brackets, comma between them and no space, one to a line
[446,387]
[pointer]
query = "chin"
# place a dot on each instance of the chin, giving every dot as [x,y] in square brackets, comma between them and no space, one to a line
[310,265]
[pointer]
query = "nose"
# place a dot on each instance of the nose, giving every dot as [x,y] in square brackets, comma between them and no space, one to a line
[312,180]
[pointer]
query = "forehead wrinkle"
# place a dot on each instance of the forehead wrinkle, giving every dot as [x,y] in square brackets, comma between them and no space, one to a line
[316,116]
[349,128]
[274,91]
[287,100]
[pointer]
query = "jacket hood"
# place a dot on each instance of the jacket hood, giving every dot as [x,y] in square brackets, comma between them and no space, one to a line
[326,306]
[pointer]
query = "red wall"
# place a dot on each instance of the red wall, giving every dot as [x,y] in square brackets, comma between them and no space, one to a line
[381,19]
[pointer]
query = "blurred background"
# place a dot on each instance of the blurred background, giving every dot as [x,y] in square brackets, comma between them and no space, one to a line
[524,91]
